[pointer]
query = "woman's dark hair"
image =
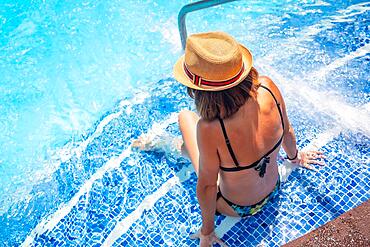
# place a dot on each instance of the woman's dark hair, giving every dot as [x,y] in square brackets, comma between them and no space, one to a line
[222,104]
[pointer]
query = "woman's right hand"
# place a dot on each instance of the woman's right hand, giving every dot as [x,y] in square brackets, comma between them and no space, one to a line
[207,240]
[307,159]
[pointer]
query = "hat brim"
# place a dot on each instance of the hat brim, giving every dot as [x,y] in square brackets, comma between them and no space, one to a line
[180,75]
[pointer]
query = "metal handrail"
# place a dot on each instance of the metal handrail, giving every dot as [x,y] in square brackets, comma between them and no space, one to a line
[194,7]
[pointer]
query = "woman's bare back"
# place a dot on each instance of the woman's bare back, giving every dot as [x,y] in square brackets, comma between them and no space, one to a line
[252,131]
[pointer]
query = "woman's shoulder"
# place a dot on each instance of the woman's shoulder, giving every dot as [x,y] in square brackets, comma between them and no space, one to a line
[207,132]
[266,81]
[207,125]
[269,83]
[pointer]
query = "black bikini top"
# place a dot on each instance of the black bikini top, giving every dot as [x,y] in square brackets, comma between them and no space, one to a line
[260,164]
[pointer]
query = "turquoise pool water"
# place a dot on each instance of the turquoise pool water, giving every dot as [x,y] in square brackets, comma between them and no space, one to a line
[81,79]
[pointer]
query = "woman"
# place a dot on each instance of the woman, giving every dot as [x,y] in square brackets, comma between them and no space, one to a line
[234,144]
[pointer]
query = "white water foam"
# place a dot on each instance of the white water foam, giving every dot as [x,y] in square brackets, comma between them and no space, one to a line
[367,107]
[67,153]
[360,52]
[345,115]
[353,10]
[322,139]
[170,34]
[324,24]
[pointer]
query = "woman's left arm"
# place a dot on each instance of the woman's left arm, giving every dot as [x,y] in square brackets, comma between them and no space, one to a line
[207,177]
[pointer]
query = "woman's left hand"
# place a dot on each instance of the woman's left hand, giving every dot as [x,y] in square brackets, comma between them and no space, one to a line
[207,240]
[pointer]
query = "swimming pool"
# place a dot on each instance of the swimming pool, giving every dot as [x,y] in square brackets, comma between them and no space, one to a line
[81,80]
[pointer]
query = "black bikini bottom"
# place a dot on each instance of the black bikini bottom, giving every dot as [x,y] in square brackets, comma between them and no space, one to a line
[244,211]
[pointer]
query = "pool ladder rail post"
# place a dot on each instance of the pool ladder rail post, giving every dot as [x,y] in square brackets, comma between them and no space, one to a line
[194,7]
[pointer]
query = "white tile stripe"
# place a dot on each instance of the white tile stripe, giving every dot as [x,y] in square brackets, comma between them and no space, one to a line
[322,139]
[51,221]
[148,203]
[99,129]
[226,225]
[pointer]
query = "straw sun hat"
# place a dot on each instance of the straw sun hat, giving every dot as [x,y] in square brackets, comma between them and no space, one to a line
[213,61]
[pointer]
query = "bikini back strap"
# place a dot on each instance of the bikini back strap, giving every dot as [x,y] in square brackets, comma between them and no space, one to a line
[277,104]
[228,143]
